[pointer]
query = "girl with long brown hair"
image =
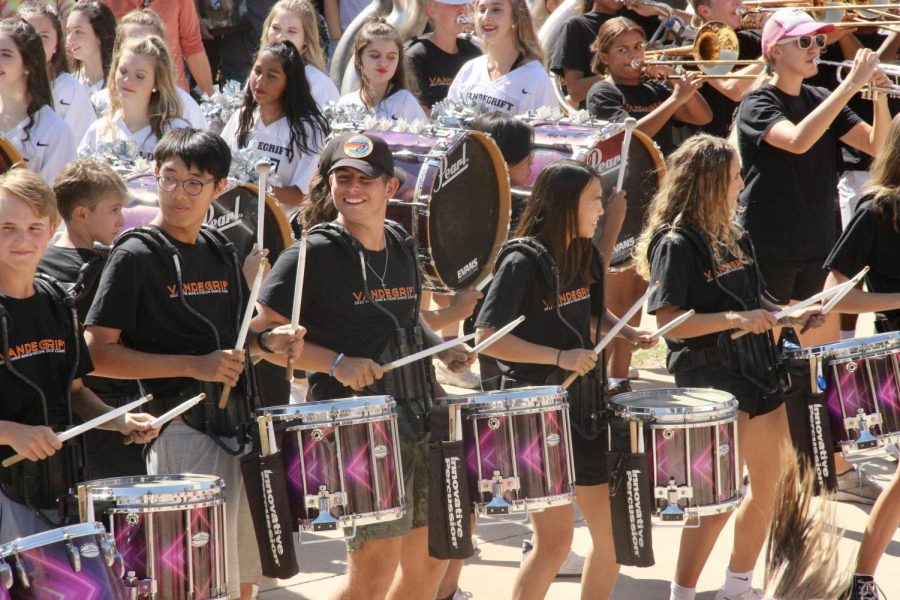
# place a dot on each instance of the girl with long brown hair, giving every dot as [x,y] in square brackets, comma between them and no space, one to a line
[554,340]
[90,35]
[704,261]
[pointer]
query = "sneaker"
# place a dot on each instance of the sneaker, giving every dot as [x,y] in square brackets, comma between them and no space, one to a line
[864,588]
[633,373]
[464,379]
[856,486]
[571,567]
[751,594]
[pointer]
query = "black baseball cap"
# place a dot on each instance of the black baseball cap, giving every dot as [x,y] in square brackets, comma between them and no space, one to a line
[369,154]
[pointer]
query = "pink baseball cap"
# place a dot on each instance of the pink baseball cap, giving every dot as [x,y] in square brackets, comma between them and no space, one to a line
[790,23]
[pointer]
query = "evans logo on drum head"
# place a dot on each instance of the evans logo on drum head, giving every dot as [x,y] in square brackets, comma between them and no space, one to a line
[553,439]
[199,539]
[89,550]
[380,451]
[359,146]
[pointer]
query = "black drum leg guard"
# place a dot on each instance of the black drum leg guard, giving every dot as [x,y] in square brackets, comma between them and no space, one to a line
[630,502]
[270,509]
[449,499]
[810,426]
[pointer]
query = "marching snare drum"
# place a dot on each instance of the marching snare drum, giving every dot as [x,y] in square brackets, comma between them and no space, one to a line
[69,563]
[233,213]
[692,433]
[518,448]
[454,202]
[169,529]
[861,381]
[599,144]
[341,460]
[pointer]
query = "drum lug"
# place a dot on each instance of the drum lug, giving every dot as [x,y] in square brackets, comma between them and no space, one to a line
[862,422]
[496,487]
[108,548]
[138,588]
[672,494]
[6,575]
[22,573]
[74,556]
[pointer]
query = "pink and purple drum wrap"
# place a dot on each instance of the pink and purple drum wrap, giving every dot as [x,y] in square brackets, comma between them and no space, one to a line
[50,572]
[712,474]
[868,385]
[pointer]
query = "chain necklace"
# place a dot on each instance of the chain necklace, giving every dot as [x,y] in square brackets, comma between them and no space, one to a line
[384,271]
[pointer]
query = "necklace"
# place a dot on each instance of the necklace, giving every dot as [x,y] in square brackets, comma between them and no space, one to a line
[384,271]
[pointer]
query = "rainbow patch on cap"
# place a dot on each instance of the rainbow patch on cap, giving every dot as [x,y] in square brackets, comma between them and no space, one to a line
[359,146]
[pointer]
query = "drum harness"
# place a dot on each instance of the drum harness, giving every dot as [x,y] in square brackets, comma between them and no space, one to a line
[411,385]
[752,356]
[41,484]
[206,417]
[587,404]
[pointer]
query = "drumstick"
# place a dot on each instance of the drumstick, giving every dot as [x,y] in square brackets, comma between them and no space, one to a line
[630,124]
[672,324]
[168,416]
[245,329]
[788,310]
[88,425]
[298,296]
[426,353]
[620,324]
[263,168]
[849,285]
[479,287]
[496,335]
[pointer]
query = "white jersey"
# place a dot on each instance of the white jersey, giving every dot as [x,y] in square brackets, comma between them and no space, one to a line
[272,142]
[190,110]
[49,147]
[525,88]
[399,105]
[322,87]
[102,131]
[72,102]
[91,88]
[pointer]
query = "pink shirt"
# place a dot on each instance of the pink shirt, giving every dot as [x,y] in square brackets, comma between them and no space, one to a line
[181,23]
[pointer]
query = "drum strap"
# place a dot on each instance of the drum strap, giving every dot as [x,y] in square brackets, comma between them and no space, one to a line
[215,423]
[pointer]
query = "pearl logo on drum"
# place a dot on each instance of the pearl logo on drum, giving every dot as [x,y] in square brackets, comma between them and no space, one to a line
[199,539]
[553,440]
[724,449]
[380,451]
[447,172]
[89,550]
[227,220]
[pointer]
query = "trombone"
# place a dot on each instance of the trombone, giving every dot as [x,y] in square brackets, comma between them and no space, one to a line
[872,13]
[715,52]
[680,74]
[892,72]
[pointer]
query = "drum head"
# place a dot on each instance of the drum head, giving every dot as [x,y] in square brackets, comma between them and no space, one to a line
[675,405]
[157,490]
[234,213]
[327,410]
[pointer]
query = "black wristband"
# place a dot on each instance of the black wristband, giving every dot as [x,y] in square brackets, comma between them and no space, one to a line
[259,341]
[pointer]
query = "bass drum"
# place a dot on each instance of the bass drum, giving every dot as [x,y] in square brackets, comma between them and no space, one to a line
[599,144]
[455,202]
[9,156]
[233,213]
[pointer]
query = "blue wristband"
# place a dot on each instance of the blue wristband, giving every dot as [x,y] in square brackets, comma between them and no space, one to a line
[335,364]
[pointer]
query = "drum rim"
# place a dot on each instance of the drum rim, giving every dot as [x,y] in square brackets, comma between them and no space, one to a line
[289,412]
[854,347]
[680,414]
[51,536]
[211,488]
[525,392]
[284,226]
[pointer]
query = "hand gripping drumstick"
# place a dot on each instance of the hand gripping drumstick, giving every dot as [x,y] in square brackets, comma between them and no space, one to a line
[298,296]
[169,415]
[630,124]
[842,289]
[245,328]
[263,168]
[95,422]
[614,331]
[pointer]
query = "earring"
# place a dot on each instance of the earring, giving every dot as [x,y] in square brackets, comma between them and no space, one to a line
[154,90]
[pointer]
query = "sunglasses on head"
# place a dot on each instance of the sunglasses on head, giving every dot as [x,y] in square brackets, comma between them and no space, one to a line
[805,41]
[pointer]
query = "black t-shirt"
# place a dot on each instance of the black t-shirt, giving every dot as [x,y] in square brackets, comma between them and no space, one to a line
[65,264]
[870,239]
[334,308]
[138,295]
[722,106]
[612,102]
[686,280]
[520,288]
[789,198]
[435,69]
[41,349]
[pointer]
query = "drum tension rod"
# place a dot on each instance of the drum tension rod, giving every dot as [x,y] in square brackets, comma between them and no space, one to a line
[6,575]
[22,573]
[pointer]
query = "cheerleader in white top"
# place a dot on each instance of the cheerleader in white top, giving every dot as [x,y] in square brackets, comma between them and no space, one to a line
[71,100]
[27,119]
[143,103]
[280,115]
[380,63]
[510,75]
[138,23]
[90,35]
[296,21]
